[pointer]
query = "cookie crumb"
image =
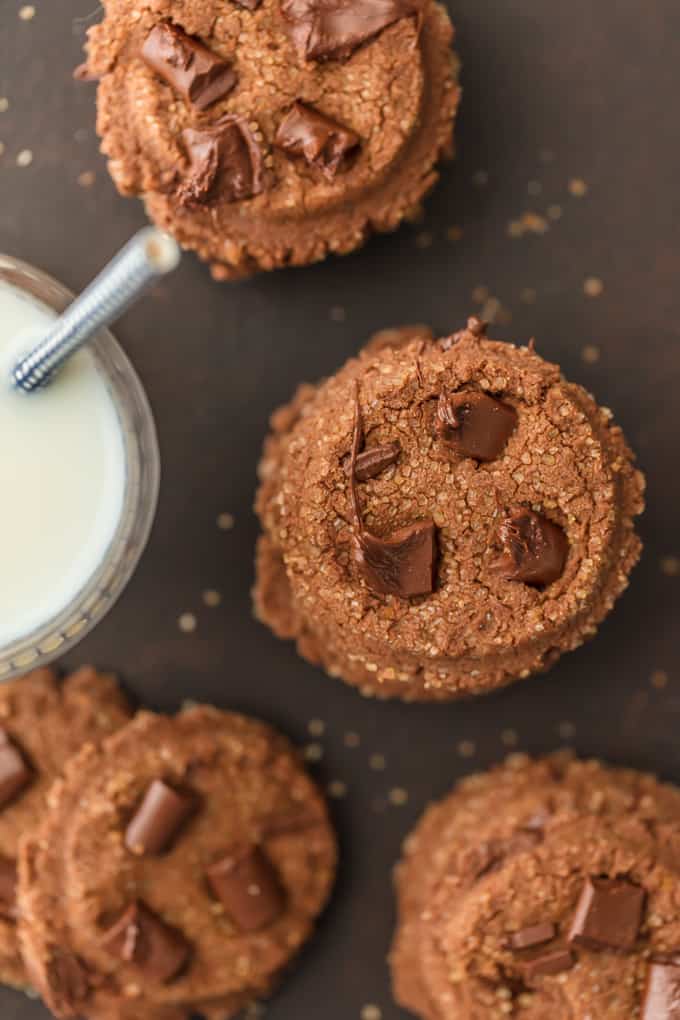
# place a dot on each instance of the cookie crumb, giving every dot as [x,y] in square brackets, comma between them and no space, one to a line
[25,158]
[398,796]
[670,566]
[225,522]
[480,178]
[593,286]
[211,598]
[187,623]
[27,12]
[2,148]
[554,212]
[424,240]
[337,789]
[4,104]
[377,762]
[566,730]
[466,748]
[316,727]
[480,294]
[454,233]
[578,187]
[313,752]
[534,188]
[528,296]
[659,679]
[590,354]
[351,739]
[371,1012]
[87,178]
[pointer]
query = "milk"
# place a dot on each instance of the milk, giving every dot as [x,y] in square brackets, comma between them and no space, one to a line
[62,476]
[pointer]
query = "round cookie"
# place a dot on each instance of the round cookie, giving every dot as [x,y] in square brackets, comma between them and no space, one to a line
[43,723]
[542,888]
[269,133]
[179,869]
[486,528]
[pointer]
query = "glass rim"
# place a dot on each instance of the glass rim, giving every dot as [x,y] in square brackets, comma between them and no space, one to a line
[91,604]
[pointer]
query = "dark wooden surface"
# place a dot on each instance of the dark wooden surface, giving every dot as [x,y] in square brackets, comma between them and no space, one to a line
[553,92]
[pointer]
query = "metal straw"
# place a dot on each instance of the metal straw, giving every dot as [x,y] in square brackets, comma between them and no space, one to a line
[148,255]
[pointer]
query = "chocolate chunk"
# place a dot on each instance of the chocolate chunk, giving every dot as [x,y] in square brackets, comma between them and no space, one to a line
[548,960]
[158,819]
[247,886]
[662,992]
[402,564]
[608,914]
[535,935]
[474,425]
[141,938]
[14,772]
[225,163]
[187,65]
[373,461]
[8,887]
[530,548]
[322,142]
[333,29]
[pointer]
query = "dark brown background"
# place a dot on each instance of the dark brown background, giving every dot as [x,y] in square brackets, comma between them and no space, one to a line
[596,86]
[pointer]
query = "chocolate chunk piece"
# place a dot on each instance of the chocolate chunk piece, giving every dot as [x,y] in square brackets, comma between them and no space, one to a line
[322,142]
[548,960]
[530,548]
[248,887]
[333,29]
[662,992]
[535,935]
[475,425]
[14,772]
[608,914]
[373,461]
[225,163]
[158,819]
[401,564]
[8,886]
[187,65]
[141,938]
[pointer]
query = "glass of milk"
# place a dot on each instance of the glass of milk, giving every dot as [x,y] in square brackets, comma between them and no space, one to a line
[79,477]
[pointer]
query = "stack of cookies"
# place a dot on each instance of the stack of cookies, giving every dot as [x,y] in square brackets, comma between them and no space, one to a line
[167,867]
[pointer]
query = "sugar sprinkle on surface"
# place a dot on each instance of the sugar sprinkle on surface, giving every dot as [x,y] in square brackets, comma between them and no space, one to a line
[187,623]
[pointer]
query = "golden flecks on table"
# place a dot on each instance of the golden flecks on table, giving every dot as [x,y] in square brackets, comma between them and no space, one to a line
[590,354]
[529,222]
[454,233]
[578,187]
[424,239]
[316,727]
[313,752]
[338,313]
[593,286]
[225,522]
[528,296]
[659,679]
[398,796]
[566,730]
[25,158]
[27,12]
[480,294]
[187,623]
[509,738]
[211,598]
[370,1012]
[466,748]
[351,739]
[87,178]
[337,789]
[377,762]
[670,566]
[554,212]
[4,104]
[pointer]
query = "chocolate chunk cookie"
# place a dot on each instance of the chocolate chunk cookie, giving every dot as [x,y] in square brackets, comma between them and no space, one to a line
[542,889]
[178,870]
[43,723]
[442,517]
[268,134]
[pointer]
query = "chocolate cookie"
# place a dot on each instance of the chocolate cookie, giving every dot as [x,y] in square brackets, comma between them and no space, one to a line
[542,889]
[179,869]
[43,723]
[442,517]
[270,133]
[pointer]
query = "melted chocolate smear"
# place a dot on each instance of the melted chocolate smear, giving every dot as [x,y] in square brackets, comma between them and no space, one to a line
[225,163]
